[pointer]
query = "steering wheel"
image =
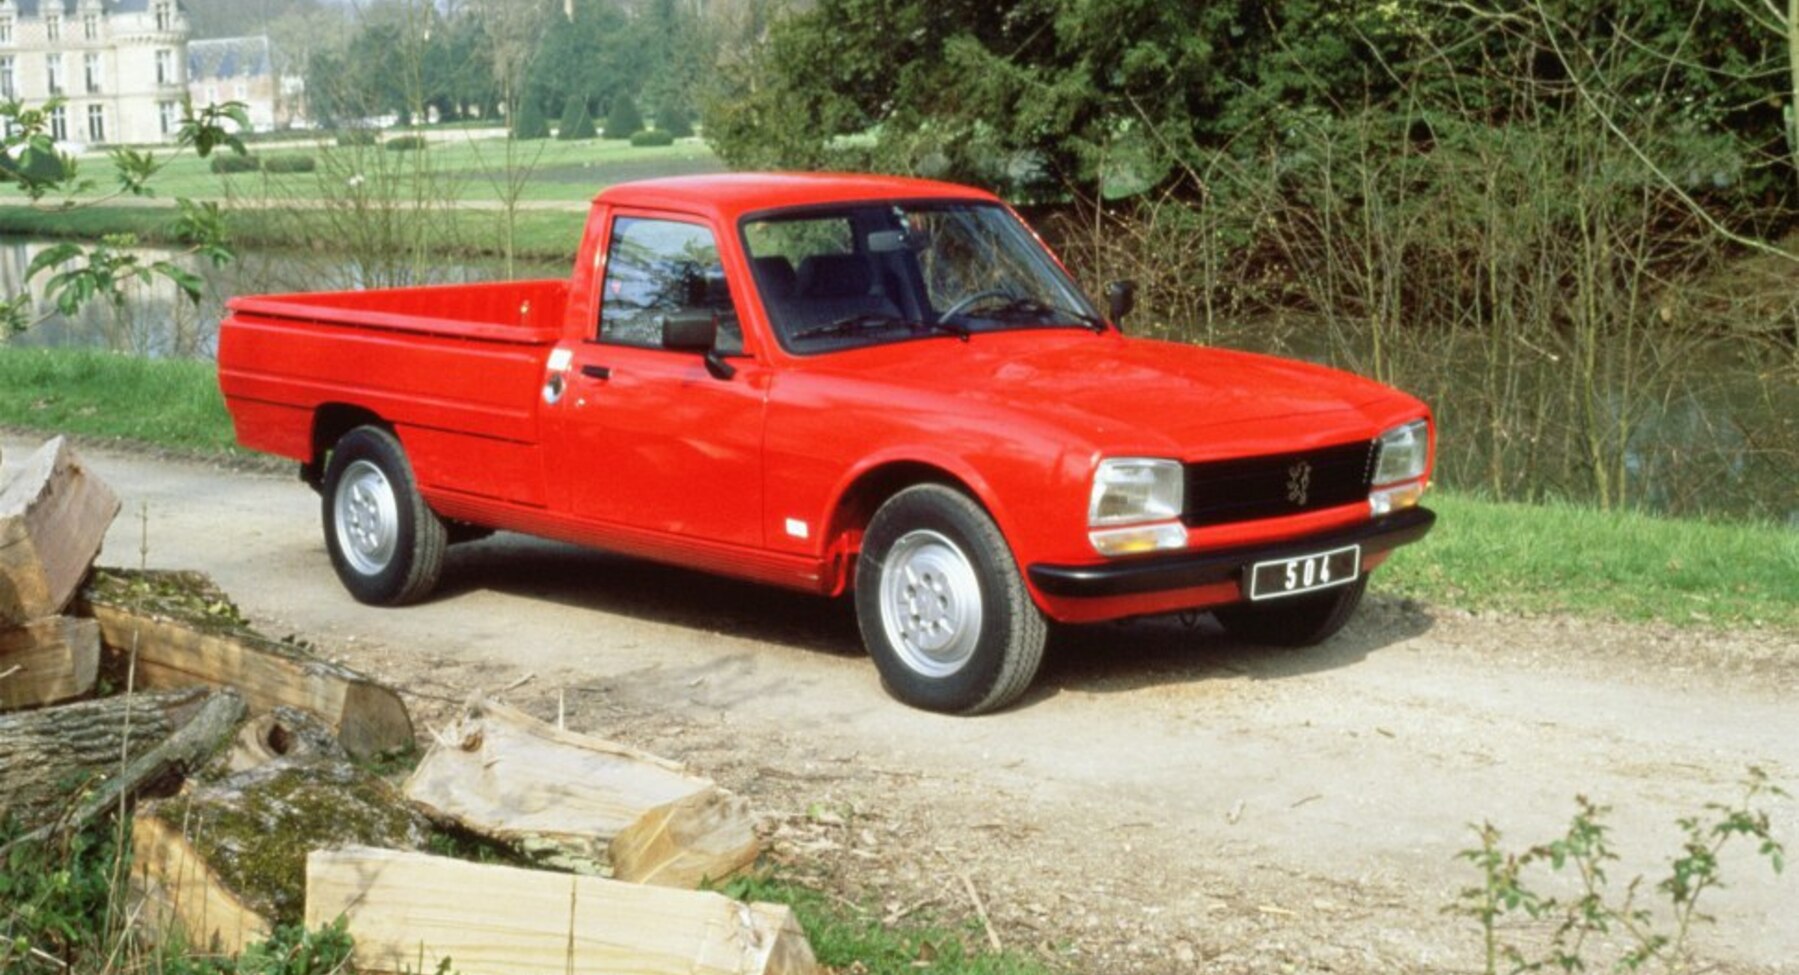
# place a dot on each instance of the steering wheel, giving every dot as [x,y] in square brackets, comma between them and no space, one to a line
[966,302]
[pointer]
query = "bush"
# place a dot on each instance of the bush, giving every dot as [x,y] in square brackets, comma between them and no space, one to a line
[530,123]
[289,164]
[576,122]
[406,143]
[653,137]
[673,119]
[623,120]
[231,162]
[357,137]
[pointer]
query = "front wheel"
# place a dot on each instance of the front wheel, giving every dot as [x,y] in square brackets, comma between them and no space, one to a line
[942,606]
[1296,621]
[386,544]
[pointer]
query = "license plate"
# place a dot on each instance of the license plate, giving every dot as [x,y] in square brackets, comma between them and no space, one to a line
[1307,573]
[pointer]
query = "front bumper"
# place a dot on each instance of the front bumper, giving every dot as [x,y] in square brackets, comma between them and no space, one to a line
[1191,570]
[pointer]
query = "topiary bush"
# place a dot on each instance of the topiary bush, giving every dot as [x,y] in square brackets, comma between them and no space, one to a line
[406,143]
[530,123]
[295,163]
[623,120]
[653,137]
[576,122]
[230,162]
[672,118]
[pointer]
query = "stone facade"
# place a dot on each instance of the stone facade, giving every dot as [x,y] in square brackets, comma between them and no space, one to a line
[241,69]
[120,65]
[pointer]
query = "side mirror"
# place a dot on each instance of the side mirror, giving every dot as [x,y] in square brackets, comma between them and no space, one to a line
[696,330]
[691,330]
[1121,297]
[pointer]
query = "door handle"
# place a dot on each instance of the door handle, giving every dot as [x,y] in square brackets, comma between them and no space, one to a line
[601,373]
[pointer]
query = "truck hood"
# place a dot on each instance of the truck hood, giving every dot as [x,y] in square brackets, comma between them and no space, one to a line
[1122,393]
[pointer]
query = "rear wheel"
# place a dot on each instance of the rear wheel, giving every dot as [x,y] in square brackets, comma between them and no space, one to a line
[942,606]
[1296,621]
[386,544]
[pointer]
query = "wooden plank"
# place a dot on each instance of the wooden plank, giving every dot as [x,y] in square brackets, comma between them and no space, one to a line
[53,516]
[186,891]
[48,661]
[368,717]
[406,911]
[502,773]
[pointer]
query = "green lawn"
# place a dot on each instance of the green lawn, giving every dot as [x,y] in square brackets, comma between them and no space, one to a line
[1482,555]
[462,169]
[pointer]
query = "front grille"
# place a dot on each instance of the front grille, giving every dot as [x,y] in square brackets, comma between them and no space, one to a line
[1220,492]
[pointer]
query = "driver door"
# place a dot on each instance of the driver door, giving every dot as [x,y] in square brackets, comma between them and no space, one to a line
[653,440]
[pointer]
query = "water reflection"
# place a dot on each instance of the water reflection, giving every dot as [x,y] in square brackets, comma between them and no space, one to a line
[157,319]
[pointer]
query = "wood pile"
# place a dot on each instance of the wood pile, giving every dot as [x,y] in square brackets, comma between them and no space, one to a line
[245,762]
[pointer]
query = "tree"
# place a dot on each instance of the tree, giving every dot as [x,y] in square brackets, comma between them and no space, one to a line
[576,122]
[623,120]
[79,273]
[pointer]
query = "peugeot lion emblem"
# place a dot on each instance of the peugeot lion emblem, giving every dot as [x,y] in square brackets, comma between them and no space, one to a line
[1299,482]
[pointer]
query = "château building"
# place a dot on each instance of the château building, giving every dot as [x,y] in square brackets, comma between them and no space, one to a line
[119,65]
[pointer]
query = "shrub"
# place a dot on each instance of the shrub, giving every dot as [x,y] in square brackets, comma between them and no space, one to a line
[530,123]
[653,137]
[406,143]
[672,118]
[623,120]
[230,162]
[289,164]
[576,122]
[357,137]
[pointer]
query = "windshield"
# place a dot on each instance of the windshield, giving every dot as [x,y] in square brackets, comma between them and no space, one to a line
[864,275]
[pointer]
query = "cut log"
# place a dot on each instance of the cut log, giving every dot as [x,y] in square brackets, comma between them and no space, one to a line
[406,908]
[227,860]
[588,802]
[282,733]
[53,516]
[185,632]
[48,661]
[49,755]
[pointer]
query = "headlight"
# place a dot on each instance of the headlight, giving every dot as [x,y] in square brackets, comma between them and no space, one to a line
[1127,490]
[1403,453]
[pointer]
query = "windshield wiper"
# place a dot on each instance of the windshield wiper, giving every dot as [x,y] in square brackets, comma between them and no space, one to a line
[870,321]
[867,321]
[1037,309]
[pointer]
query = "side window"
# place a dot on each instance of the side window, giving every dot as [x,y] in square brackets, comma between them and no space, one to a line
[656,268]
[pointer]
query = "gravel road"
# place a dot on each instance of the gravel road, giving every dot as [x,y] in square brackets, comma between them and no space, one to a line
[1166,800]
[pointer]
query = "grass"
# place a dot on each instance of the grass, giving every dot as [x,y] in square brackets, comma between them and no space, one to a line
[545,235]
[1483,555]
[566,171]
[841,937]
[160,402]
[1568,558]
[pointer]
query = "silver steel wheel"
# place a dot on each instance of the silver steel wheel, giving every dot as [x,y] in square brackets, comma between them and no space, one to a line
[367,518]
[930,603]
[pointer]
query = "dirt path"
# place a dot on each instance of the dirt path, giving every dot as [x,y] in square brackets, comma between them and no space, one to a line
[1165,801]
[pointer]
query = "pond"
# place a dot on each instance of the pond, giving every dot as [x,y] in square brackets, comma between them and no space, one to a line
[1709,429]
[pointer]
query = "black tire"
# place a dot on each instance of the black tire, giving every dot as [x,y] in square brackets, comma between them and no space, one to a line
[1297,621]
[959,559]
[386,544]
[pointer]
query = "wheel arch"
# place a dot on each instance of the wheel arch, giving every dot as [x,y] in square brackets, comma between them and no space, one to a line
[868,488]
[329,424]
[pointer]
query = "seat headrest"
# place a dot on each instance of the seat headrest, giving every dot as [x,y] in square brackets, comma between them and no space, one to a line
[774,275]
[834,276]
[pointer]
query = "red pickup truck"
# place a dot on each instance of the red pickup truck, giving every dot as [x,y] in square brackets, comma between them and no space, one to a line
[862,385]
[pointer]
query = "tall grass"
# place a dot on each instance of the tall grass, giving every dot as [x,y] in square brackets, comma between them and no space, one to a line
[165,402]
